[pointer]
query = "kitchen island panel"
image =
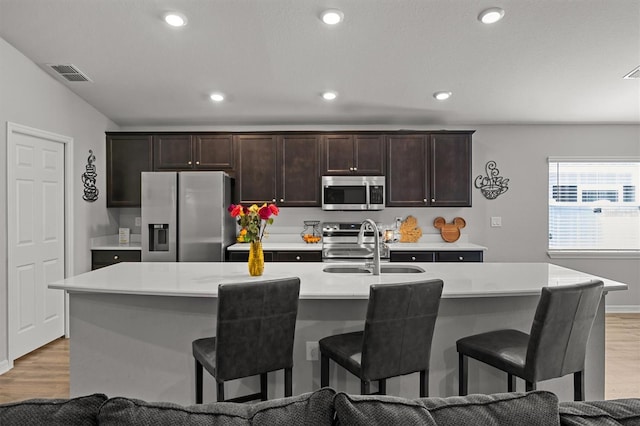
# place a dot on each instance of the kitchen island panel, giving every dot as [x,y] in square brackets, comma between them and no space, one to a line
[140,346]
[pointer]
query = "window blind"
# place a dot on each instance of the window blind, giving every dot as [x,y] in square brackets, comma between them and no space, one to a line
[594,205]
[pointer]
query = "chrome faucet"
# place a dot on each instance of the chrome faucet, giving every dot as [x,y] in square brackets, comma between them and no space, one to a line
[376,250]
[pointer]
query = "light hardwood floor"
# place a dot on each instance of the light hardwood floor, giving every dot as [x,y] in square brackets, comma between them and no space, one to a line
[44,373]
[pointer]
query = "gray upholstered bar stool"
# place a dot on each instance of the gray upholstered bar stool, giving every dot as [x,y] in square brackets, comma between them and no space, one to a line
[556,346]
[254,335]
[396,339]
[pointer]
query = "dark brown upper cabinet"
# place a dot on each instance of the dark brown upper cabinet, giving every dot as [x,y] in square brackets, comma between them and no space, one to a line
[298,172]
[178,152]
[431,169]
[450,169]
[127,157]
[353,154]
[256,168]
[278,168]
[407,175]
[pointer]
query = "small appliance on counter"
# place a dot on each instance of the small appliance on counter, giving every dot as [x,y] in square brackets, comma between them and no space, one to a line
[185,218]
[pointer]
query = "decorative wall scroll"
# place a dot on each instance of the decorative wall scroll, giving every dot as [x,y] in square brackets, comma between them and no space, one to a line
[89,179]
[492,184]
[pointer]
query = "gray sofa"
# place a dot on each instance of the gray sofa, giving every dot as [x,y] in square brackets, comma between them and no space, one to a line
[326,407]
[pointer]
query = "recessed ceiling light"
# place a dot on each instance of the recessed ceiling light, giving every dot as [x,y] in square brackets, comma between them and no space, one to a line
[491,15]
[329,96]
[332,16]
[175,19]
[217,97]
[442,96]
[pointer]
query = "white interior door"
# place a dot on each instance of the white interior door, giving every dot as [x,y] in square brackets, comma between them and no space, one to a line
[36,238]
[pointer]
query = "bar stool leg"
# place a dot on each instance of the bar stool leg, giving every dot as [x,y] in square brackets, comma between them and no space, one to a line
[424,383]
[530,386]
[220,391]
[263,386]
[511,383]
[578,386]
[198,383]
[463,366]
[382,386]
[324,370]
[365,387]
[288,391]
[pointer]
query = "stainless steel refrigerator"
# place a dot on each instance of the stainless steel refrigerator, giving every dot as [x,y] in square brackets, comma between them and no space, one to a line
[184,216]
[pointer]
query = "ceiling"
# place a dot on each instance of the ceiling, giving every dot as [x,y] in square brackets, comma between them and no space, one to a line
[547,61]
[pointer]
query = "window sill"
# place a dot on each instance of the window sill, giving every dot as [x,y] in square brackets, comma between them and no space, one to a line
[594,254]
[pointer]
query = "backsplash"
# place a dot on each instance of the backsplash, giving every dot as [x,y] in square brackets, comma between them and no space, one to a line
[290,220]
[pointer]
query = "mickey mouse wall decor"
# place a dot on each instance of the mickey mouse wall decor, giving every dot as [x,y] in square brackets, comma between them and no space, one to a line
[492,184]
[450,232]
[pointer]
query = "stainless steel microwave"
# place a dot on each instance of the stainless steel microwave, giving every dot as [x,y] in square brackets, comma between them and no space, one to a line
[353,192]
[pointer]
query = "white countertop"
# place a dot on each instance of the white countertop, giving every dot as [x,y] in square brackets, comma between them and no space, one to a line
[202,279]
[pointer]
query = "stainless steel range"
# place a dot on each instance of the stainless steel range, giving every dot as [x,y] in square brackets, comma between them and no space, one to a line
[340,243]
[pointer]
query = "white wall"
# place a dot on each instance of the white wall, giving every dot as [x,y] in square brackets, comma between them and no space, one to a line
[29,96]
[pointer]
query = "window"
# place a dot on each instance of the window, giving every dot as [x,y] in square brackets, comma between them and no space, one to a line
[594,205]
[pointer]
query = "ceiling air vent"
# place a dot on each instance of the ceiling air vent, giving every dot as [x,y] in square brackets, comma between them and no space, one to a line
[633,74]
[69,72]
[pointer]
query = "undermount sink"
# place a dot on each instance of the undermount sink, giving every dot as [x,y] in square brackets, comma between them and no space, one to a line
[385,269]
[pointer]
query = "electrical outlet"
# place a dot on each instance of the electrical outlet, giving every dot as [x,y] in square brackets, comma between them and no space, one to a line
[138,221]
[313,351]
[496,221]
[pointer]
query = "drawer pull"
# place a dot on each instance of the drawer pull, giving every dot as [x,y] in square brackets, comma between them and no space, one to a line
[297,257]
[460,258]
[413,258]
[116,257]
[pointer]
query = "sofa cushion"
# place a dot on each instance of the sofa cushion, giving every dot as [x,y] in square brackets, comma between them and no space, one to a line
[613,412]
[371,410]
[311,408]
[531,408]
[53,412]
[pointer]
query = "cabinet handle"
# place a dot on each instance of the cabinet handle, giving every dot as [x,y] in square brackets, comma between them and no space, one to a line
[433,200]
[273,201]
[282,200]
[424,199]
[355,168]
[197,162]
[351,168]
[189,162]
[116,257]
[460,258]
[297,257]
[413,258]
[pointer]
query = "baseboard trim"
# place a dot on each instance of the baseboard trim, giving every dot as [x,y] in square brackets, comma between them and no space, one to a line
[4,366]
[622,309]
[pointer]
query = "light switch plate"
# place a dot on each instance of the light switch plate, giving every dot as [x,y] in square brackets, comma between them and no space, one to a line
[496,221]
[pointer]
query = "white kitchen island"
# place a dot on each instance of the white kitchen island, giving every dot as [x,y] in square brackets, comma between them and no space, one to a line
[132,324]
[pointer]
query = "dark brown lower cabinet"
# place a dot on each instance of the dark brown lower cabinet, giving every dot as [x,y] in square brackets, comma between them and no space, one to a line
[278,256]
[102,258]
[437,256]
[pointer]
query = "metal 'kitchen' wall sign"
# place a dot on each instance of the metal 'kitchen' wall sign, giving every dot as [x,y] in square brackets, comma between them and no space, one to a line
[492,184]
[89,179]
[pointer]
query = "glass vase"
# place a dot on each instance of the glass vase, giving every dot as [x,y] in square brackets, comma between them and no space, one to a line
[256,259]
